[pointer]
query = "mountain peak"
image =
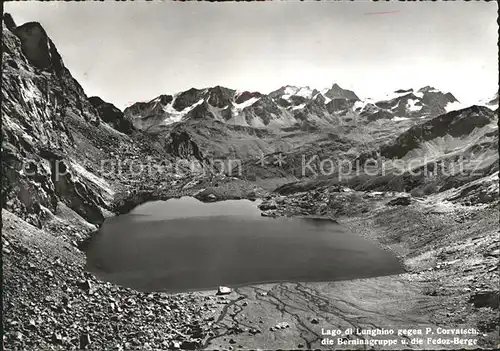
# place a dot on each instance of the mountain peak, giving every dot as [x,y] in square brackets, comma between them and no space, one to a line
[402,91]
[164,99]
[427,89]
[451,97]
[220,96]
[38,47]
[242,96]
[337,92]
[9,21]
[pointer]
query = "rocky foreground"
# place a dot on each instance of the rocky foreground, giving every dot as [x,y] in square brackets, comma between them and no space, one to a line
[450,252]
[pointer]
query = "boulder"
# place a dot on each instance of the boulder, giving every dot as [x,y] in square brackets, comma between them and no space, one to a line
[223,290]
[84,341]
[280,199]
[400,201]
[269,213]
[268,205]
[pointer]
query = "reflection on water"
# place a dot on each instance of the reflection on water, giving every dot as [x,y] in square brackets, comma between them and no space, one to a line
[183,244]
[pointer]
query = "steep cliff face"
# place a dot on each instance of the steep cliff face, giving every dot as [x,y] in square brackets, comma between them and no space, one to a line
[50,132]
[110,114]
[181,145]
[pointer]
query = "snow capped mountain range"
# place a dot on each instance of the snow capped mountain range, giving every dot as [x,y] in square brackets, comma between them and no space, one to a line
[292,106]
[401,104]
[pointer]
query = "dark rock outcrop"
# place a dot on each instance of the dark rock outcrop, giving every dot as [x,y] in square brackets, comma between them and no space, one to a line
[38,48]
[453,124]
[219,96]
[338,104]
[426,102]
[400,201]
[187,98]
[151,114]
[181,144]
[373,113]
[263,109]
[9,21]
[110,114]
[337,92]
[200,111]
[401,91]
[245,96]
[435,101]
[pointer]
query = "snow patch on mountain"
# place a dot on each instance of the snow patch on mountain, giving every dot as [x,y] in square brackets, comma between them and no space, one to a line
[397,119]
[324,91]
[174,116]
[361,104]
[287,92]
[247,103]
[318,95]
[395,95]
[291,90]
[453,106]
[412,105]
[190,108]
[305,92]
[493,106]
[299,107]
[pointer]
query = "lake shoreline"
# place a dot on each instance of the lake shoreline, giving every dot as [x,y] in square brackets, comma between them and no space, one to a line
[187,244]
[251,316]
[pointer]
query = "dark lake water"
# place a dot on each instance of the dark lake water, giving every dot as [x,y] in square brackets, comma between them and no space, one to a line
[184,244]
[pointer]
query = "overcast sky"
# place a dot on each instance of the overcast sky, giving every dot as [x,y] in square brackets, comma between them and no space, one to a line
[134,51]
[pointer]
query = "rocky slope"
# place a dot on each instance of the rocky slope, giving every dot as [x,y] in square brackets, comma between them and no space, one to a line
[64,170]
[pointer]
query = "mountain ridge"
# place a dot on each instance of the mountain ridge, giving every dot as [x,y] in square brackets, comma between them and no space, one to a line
[285,105]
